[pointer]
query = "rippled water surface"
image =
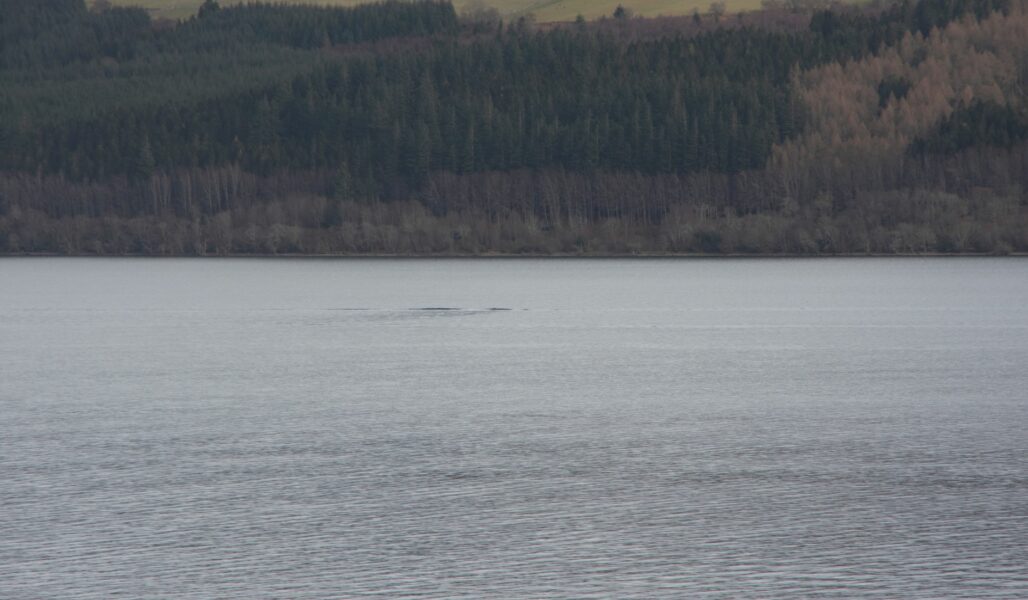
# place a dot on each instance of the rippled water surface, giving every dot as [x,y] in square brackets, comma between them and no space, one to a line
[513,428]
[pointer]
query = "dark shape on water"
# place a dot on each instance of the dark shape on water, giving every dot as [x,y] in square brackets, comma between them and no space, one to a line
[428,309]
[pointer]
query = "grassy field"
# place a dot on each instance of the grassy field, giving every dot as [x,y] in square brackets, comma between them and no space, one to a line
[544,10]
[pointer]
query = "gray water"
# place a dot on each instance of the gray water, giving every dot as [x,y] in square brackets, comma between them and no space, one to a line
[621,429]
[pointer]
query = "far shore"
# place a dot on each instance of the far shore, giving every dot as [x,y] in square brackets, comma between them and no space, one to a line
[603,256]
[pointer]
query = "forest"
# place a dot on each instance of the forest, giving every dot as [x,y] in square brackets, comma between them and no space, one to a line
[407,128]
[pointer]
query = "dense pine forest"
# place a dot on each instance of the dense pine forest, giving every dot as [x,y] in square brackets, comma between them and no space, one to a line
[407,128]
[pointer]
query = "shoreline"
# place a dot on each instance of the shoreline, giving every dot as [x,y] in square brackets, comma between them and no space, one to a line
[501,256]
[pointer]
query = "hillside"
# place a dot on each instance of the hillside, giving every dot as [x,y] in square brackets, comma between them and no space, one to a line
[399,128]
[543,10]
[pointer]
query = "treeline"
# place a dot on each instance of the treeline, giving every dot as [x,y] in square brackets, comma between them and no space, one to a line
[519,99]
[49,33]
[394,127]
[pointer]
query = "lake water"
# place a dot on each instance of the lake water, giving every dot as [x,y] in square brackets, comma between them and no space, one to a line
[620,429]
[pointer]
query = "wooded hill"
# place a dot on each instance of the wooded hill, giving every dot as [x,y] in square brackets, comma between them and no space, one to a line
[401,128]
[543,11]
